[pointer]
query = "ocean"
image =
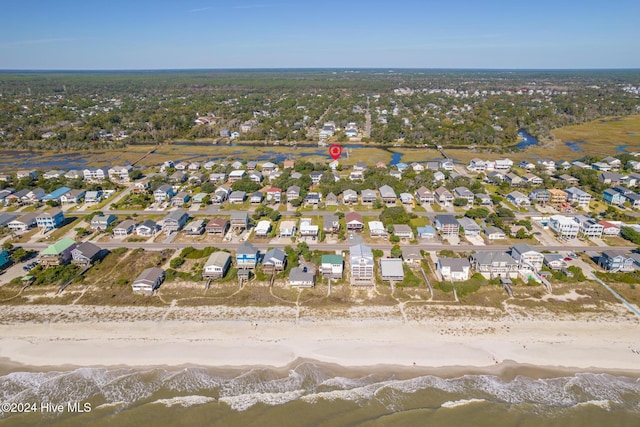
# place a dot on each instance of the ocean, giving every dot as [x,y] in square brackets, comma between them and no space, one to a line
[313,394]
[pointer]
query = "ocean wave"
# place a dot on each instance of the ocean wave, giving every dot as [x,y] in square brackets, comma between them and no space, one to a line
[245,401]
[462,402]
[310,383]
[185,401]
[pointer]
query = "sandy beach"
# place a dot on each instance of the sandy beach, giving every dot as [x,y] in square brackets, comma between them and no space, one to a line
[277,336]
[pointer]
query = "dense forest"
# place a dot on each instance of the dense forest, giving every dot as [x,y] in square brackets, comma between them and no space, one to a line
[79,110]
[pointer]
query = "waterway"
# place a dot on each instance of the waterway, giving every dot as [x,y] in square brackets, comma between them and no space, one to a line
[526,140]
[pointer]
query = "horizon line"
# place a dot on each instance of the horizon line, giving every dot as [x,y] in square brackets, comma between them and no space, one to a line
[340,68]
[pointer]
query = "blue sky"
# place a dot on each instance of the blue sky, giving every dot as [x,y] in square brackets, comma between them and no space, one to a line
[162,34]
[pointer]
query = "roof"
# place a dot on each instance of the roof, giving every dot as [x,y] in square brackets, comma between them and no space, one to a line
[88,249]
[353,216]
[386,191]
[468,224]
[58,193]
[331,259]
[522,248]
[217,222]
[447,219]
[391,267]
[411,253]
[176,215]
[492,230]
[491,257]
[149,275]
[401,228]
[246,248]
[361,251]
[297,274]
[59,247]
[274,253]
[218,259]
[455,264]
[126,224]
[242,216]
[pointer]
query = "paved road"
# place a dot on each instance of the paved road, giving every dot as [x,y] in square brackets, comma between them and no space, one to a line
[324,246]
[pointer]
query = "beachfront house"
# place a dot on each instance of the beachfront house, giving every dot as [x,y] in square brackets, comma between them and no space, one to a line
[148,281]
[332,266]
[453,269]
[246,256]
[86,253]
[217,265]
[58,253]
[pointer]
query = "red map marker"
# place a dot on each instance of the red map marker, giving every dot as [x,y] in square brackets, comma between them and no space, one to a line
[335,151]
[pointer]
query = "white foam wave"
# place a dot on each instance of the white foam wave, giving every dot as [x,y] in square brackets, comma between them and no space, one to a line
[185,401]
[245,401]
[604,404]
[111,405]
[462,402]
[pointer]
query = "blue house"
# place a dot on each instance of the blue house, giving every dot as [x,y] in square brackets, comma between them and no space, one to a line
[4,258]
[612,197]
[426,232]
[55,195]
[50,219]
[616,261]
[401,166]
[246,256]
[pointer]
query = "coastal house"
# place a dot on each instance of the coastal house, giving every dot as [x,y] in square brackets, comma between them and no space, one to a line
[147,228]
[274,194]
[194,228]
[50,219]
[125,228]
[447,225]
[494,264]
[540,196]
[119,173]
[361,261]
[425,195]
[528,258]
[453,269]
[293,192]
[403,231]
[468,226]
[239,221]
[218,178]
[331,200]
[262,228]
[531,179]
[609,229]
[512,179]
[302,277]
[589,227]
[94,196]
[557,197]
[56,194]
[332,266]
[518,199]
[274,260]
[236,175]
[464,193]
[58,253]
[174,221]
[148,281]
[86,253]
[256,198]
[287,228]
[494,233]
[564,227]
[73,197]
[217,226]
[369,197]
[102,222]
[354,222]
[391,269]
[164,193]
[612,260]
[554,261]
[443,196]
[307,228]
[237,197]
[349,196]
[180,199]
[246,256]
[411,256]
[426,232]
[221,194]
[376,229]
[24,222]
[330,224]
[577,196]
[216,265]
